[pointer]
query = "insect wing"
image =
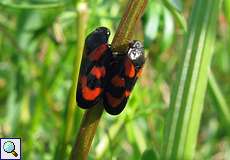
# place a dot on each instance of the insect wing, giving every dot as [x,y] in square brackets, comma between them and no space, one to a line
[92,70]
[124,71]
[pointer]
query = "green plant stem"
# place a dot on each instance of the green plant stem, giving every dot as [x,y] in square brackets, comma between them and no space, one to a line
[57,5]
[86,133]
[92,117]
[113,131]
[227,10]
[187,98]
[82,19]
[134,11]
[176,14]
[219,101]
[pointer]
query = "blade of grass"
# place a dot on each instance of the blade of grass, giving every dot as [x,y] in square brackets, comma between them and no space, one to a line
[113,131]
[227,9]
[133,13]
[34,6]
[218,99]
[177,15]
[187,99]
[82,18]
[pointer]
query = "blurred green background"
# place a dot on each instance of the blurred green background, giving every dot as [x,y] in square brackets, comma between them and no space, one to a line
[38,45]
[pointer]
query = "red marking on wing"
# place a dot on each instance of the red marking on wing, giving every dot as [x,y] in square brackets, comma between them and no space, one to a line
[118,81]
[114,102]
[129,69]
[127,93]
[98,52]
[139,73]
[87,93]
[98,72]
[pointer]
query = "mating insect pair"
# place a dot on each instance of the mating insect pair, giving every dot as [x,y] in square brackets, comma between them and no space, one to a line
[107,76]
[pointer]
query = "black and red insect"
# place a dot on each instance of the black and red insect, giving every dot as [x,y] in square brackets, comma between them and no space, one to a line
[122,74]
[107,76]
[92,71]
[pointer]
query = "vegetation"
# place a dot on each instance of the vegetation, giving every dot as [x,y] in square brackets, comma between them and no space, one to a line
[179,109]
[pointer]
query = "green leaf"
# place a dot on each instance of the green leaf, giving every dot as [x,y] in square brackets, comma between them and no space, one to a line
[217,97]
[37,6]
[187,98]
[227,9]
[177,14]
[149,154]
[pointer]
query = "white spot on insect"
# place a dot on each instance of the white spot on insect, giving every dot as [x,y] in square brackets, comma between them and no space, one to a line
[134,53]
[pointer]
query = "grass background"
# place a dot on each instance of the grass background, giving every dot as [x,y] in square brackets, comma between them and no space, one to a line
[39,47]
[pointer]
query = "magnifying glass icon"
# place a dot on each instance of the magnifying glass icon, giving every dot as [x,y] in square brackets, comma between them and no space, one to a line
[9,147]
